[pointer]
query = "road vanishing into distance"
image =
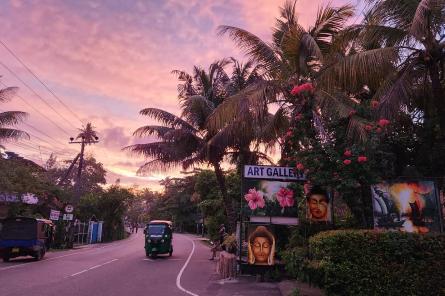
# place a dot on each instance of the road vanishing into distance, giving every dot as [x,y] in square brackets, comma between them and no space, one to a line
[118,268]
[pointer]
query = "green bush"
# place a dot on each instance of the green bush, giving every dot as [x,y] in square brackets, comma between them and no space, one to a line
[353,262]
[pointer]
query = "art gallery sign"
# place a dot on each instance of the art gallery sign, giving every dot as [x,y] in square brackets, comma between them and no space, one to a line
[273,173]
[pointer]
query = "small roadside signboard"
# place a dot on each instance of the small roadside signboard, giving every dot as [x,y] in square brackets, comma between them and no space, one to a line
[54,215]
[69,208]
[68,217]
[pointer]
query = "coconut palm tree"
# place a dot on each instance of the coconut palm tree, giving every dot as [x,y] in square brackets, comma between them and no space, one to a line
[412,34]
[9,118]
[297,56]
[184,140]
[415,30]
[242,135]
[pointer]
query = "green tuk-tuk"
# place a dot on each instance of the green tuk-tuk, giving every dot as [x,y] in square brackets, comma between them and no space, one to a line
[158,238]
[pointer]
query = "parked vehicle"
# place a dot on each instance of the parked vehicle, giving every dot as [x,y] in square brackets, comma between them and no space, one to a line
[22,236]
[158,238]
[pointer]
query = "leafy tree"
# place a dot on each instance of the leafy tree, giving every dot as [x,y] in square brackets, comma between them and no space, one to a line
[20,176]
[108,206]
[92,178]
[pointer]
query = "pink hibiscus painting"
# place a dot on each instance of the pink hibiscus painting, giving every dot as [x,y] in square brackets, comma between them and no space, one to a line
[285,197]
[254,199]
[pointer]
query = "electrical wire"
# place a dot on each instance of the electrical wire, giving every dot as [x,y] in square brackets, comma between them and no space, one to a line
[39,80]
[37,95]
[38,111]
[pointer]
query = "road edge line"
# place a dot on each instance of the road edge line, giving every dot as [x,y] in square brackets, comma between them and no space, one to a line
[178,278]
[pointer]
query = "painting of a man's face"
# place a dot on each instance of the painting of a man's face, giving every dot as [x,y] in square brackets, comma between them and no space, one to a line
[318,207]
[261,249]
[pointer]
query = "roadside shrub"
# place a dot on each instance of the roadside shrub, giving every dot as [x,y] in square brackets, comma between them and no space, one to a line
[352,262]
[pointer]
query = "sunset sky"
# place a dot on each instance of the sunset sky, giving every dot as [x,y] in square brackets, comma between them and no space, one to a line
[106,60]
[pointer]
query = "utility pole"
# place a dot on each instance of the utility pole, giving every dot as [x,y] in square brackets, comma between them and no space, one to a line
[77,185]
[87,136]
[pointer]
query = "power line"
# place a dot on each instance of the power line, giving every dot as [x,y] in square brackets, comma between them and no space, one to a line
[51,150]
[55,143]
[43,133]
[36,94]
[41,82]
[38,111]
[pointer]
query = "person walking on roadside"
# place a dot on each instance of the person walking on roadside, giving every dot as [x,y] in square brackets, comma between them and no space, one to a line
[222,235]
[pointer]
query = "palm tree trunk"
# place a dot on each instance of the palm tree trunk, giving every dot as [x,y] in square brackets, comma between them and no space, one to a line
[230,213]
[439,96]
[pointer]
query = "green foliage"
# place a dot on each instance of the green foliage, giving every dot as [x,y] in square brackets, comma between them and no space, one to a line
[351,262]
[110,207]
[20,176]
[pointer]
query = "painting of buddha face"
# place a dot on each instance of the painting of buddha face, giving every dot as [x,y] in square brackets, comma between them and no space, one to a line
[261,246]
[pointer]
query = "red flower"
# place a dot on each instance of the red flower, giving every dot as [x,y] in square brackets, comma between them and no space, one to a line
[296,90]
[368,127]
[362,159]
[352,113]
[254,199]
[289,134]
[285,197]
[374,104]
[307,187]
[379,130]
[300,166]
[347,153]
[299,117]
[383,122]
[347,161]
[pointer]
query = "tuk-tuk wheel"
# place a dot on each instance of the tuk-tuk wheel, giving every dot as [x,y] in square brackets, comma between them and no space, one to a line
[170,253]
[39,255]
[6,259]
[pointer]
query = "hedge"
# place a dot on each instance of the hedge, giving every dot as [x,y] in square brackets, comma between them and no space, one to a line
[352,262]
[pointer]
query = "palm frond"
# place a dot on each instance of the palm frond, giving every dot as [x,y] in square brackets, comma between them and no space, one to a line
[7,93]
[357,70]
[334,104]
[150,130]
[252,45]
[329,22]
[12,134]
[166,118]
[396,90]
[12,117]
[356,130]
[275,126]
[424,16]
[157,150]
[157,165]
[252,99]
[196,109]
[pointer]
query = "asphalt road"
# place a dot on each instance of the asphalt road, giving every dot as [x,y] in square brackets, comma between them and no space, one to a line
[118,268]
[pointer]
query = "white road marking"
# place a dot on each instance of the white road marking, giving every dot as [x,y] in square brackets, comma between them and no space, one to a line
[93,267]
[115,244]
[178,278]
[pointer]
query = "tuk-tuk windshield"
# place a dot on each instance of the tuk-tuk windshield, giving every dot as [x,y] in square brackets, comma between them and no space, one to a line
[156,229]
